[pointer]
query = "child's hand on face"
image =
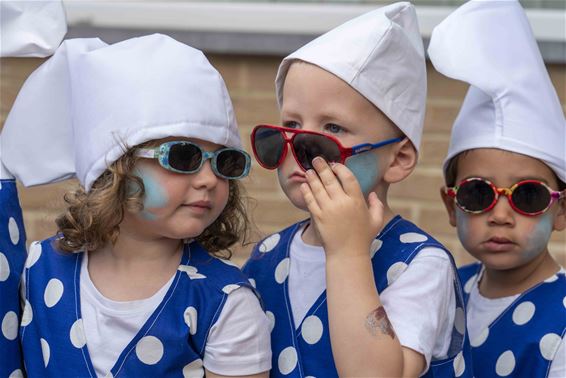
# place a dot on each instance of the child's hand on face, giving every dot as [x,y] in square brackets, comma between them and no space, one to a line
[339,212]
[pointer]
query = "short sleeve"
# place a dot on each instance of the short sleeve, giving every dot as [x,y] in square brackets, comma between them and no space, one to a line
[558,365]
[239,343]
[421,304]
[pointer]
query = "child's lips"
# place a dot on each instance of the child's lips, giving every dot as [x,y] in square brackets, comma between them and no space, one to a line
[298,177]
[498,244]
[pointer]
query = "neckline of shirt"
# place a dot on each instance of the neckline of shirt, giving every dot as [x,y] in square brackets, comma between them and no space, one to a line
[109,306]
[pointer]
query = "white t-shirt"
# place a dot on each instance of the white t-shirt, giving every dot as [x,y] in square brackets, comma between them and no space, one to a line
[482,311]
[420,304]
[238,343]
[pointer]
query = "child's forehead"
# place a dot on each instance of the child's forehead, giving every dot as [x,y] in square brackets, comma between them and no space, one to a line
[497,164]
[311,89]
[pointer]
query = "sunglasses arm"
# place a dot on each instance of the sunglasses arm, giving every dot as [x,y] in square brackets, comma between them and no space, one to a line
[359,148]
[149,153]
[450,192]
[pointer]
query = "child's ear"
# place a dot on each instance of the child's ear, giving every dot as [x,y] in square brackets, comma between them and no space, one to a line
[450,206]
[404,160]
[560,217]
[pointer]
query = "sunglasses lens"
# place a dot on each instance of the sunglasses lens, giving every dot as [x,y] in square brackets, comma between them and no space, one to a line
[531,197]
[268,146]
[475,195]
[231,163]
[185,157]
[309,146]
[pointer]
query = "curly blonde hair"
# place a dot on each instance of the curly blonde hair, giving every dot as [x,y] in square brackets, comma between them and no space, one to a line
[92,219]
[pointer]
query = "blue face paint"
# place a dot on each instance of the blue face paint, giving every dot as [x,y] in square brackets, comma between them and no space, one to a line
[462,226]
[155,194]
[538,239]
[366,169]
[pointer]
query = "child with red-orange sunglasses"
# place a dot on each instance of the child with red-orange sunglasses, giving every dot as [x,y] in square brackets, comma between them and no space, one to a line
[505,189]
[355,290]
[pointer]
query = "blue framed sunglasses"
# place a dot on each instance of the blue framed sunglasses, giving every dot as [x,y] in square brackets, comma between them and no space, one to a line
[188,157]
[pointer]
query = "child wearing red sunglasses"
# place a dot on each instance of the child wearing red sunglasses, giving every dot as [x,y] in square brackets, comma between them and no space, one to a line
[505,189]
[355,290]
[137,280]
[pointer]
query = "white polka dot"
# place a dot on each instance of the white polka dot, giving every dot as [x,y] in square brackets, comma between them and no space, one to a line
[252,282]
[480,339]
[109,375]
[77,334]
[4,268]
[523,313]
[230,288]
[282,270]
[27,315]
[287,360]
[459,365]
[149,350]
[564,302]
[412,237]
[470,283]
[375,246]
[395,271]
[53,292]
[194,370]
[191,271]
[45,351]
[10,325]
[191,317]
[549,345]
[271,318]
[14,231]
[505,364]
[312,329]
[16,374]
[34,254]
[551,278]
[460,321]
[269,243]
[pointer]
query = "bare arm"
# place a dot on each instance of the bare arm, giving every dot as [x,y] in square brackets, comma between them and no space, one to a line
[358,321]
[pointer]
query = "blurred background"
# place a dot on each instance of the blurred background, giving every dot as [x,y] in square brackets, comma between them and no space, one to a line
[246,41]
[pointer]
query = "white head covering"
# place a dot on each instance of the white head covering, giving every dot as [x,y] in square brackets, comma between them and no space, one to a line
[74,111]
[379,54]
[511,104]
[31,28]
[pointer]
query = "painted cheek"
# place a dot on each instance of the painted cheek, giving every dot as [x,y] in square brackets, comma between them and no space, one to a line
[462,227]
[366,169]
[538,237]
[155,195]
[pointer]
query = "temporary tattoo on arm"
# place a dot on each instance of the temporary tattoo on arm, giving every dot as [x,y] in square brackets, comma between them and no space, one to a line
[377,322]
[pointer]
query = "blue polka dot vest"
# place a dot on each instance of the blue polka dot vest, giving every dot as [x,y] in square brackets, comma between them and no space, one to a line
[305,351]
[523,340]
[170,344]
[12,258]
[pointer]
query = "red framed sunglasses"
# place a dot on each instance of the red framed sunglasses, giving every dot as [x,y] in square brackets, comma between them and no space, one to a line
[270,144]
[477,195]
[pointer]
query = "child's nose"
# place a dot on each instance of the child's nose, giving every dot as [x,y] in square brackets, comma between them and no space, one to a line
[502,213]
[205,177]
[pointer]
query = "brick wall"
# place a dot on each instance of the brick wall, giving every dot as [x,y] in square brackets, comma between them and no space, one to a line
[250,83]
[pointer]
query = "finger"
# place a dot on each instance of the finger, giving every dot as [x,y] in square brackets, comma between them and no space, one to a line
[327,177]
[349,182]
[317,188]
[376,211]
[310,201]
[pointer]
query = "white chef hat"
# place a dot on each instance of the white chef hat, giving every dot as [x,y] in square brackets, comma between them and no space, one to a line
[31,28]
[511,104]
[73,113]
[379,54]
